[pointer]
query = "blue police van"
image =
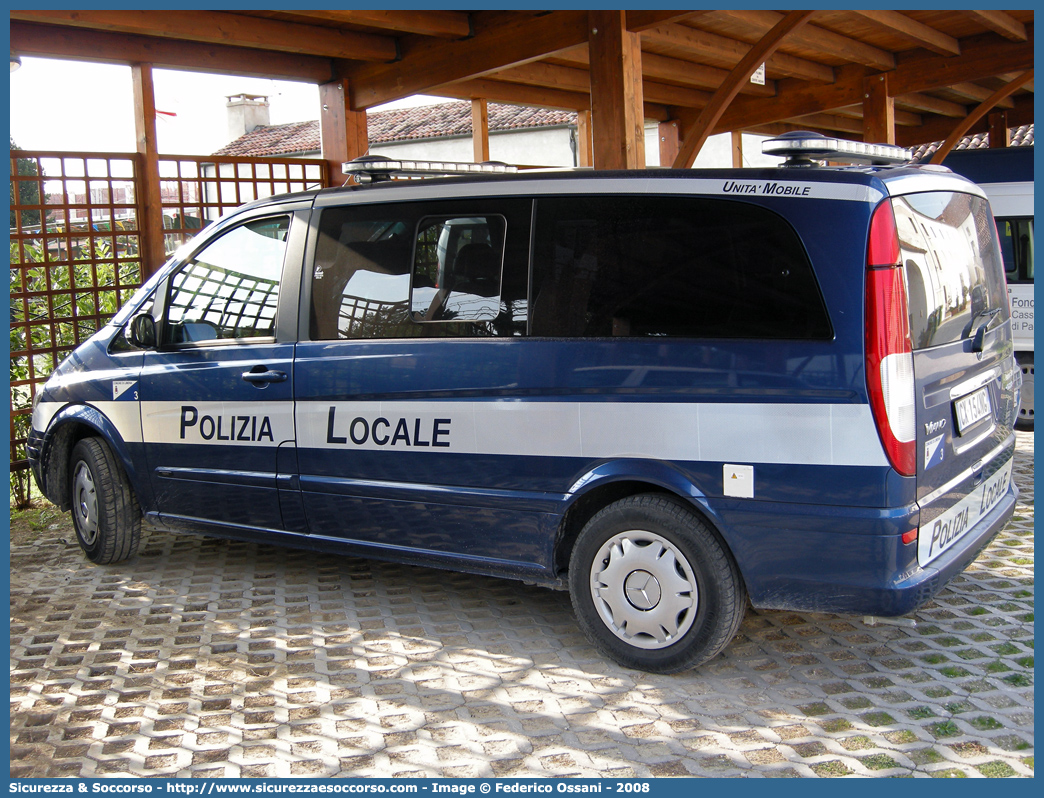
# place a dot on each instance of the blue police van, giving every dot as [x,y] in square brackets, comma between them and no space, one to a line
[670,392]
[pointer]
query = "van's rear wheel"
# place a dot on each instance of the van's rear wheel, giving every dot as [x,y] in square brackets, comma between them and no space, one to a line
[1025,421]
[105,511]
[652,586]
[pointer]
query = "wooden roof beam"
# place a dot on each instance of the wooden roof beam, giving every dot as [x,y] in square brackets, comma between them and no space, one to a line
[904,118]
[433,63]
[77,44]
[674,70]
[728,52]
[637,21]
[1002,23]
[697,133]
[442,24]
[978,93]
[917,33]
[936,128]
[816,38]
[980,112]
[518,94]
[933,105]
[570,79]
[981,57]
[218,27]
[843,124]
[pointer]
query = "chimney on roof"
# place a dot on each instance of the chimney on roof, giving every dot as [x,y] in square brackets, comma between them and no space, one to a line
[246,112]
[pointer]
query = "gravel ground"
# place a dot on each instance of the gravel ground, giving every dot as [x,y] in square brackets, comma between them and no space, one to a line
[210,658]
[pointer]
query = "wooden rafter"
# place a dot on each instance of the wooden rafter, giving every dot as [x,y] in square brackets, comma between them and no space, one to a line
[1001,22]
[672,70]
[980,58]
[432,64]
[697,133]
[933,105]
[441,24]
[638,21]
[917,33]
[937,128]
[978,93]
[983,108]
[821,39]
[121,48]
[218,27]
[726,52]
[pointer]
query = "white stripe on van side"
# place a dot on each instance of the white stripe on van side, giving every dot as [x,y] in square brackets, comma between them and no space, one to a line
[123,415]
[746,433]
[799,434]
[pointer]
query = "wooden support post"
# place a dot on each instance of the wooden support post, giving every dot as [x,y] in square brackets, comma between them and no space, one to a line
[878,111]
[617,108]
[584,149]
[737,149]
[342,131]
[1000,133]
[480,129]
[150,206]
[670,140]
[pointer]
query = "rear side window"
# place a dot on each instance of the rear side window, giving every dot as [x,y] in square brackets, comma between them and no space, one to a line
[421,270]
[671,267]
[953,267]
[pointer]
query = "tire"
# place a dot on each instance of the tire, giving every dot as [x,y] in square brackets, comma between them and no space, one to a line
[1025,420]
[105,511]
[652,586]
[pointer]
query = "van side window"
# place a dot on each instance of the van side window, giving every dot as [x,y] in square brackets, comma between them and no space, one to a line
[416,270]
[457,268]
[230,289]
[670,267]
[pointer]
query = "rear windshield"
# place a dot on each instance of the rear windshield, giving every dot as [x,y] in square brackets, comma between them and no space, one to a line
[953,266]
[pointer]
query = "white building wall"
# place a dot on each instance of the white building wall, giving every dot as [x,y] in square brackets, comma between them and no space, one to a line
[716,152]
[551,147]
[541,147]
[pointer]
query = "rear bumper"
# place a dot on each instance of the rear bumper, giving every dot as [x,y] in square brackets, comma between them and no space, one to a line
[860,574]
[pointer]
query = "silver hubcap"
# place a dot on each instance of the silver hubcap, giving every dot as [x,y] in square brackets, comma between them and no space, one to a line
[644,589]
[85,503]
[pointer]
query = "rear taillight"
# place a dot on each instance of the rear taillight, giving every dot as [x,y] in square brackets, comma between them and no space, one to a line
[889,357]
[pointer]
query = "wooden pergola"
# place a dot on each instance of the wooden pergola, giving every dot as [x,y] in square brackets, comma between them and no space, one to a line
[886,76]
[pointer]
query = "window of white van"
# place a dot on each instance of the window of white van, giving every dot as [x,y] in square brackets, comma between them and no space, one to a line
[230,289]
[1016,243]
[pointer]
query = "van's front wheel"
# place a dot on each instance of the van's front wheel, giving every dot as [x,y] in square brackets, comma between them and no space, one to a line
[105,511]
[653,588]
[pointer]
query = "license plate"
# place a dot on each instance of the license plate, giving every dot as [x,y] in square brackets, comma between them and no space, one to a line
[941,534]
[972,408]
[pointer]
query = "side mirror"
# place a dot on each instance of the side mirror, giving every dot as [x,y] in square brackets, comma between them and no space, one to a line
[143,331]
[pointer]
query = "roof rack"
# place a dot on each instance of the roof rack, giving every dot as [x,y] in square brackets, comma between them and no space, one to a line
[377,168]
[805,148]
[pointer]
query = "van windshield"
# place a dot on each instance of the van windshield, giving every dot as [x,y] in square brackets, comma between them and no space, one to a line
[953,266]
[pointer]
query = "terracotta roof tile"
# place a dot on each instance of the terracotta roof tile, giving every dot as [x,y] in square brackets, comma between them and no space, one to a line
[403,124]
[1020,137]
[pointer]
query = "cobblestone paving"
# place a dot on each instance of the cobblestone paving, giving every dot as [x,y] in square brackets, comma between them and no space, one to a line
[210,658]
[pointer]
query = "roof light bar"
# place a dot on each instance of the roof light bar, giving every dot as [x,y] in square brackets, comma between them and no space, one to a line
[802,146]
[374,168]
